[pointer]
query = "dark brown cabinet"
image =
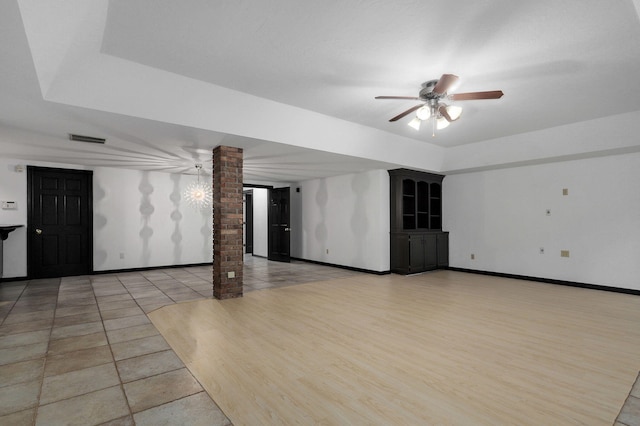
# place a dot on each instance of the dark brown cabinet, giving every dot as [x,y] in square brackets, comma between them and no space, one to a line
[417,241]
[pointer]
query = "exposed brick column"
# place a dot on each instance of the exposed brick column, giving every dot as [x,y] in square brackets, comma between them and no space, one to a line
[227,222]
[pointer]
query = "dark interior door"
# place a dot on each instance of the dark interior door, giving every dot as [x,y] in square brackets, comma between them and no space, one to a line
[279,231]
[60,223]
[248,222]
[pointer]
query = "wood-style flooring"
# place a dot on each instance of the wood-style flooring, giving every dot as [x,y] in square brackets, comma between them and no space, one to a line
[437,348]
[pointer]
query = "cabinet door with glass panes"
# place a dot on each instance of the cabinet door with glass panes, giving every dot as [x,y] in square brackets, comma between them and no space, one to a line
[417,199]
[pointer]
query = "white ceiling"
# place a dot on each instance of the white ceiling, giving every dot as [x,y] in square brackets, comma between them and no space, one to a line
[293,83]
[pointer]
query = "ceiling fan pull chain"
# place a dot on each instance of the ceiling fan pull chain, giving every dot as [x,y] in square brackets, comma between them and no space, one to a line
[434,118]
[433,124]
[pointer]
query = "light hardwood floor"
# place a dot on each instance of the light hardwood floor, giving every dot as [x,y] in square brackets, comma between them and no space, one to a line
[437,348]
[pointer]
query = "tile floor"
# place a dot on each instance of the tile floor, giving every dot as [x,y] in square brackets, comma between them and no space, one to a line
[81,350]
[630,412]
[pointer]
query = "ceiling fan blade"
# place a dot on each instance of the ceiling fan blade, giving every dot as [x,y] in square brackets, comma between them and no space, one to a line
[398,97]
[471,96]
[445,82]
[409,111]
[443,112]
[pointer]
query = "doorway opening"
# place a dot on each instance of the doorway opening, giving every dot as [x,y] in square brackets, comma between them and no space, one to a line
[247,222]
[279,226]
[266,227]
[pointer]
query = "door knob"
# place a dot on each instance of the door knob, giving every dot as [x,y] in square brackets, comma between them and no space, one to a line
[38,231]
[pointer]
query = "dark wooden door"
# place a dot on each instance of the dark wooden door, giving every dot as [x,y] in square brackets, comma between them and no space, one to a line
[279,231]
[60,222]
[248,222]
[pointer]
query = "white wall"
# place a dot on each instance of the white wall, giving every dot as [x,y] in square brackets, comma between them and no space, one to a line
[144,217]
[500,216]
[260,223]
[139,214]
[347,215]
[13,187]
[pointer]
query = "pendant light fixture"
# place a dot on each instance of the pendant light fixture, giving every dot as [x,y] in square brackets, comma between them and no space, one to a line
[199,194]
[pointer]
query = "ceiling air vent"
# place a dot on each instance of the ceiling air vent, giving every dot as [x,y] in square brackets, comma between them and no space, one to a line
[90,139]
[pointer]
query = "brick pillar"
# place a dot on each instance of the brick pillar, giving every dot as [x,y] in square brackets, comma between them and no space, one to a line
[227,222]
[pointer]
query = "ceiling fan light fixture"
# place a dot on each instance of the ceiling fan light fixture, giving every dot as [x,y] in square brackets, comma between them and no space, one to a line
[454,112]
[415,123]
[432,95]
[441,123]
[423,113]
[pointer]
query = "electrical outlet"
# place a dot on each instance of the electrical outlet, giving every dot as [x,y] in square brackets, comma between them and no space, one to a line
[565,191]
[564,253]
[473,256]
[121,255]
[327,251]
[541,250]
[548,212]
[231,274]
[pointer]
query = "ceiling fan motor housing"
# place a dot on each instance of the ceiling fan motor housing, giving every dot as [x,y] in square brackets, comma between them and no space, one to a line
[426,92]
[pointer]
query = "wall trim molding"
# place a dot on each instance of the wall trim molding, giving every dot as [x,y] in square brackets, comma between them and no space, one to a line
[550,281]
[9,279]
[350,268]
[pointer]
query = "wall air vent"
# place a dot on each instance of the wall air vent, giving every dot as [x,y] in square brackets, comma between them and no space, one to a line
[90,139]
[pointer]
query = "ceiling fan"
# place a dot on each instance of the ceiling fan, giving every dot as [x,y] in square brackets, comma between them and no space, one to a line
[432,95]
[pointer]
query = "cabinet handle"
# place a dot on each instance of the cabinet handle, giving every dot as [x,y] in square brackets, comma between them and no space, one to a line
[38,231]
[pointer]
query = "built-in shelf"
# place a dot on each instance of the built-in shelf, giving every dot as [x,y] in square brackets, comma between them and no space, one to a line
[417,240]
